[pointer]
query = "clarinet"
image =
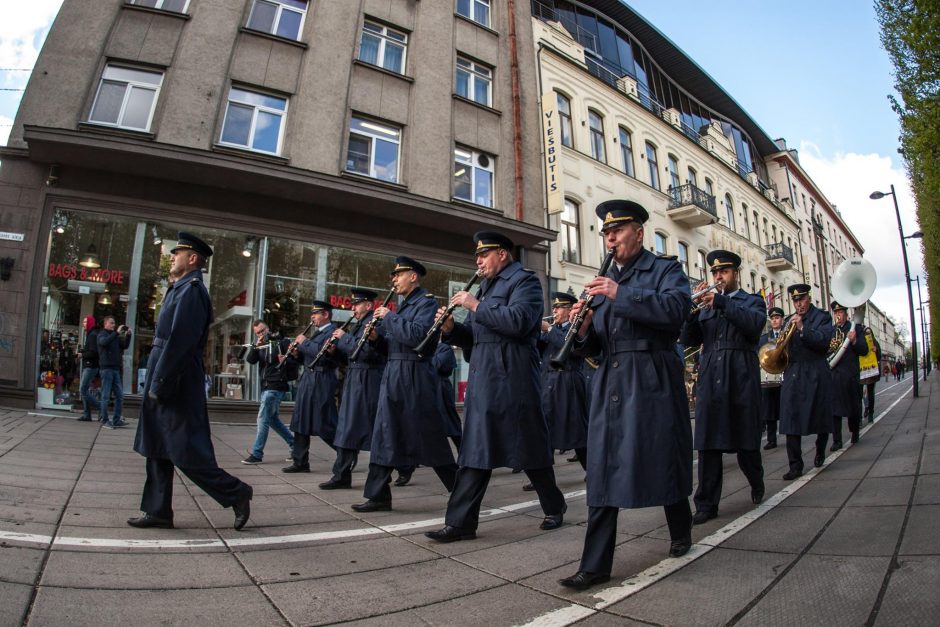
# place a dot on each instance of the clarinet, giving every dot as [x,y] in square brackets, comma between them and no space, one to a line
[292,346]
[432,332]
[328,343]
[558,361]
[370,326]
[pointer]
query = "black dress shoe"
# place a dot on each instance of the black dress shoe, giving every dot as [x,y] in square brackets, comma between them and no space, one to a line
[854,437]
[793,474]
[528,487]
[295,468]
[582,580]
[242,510]
[699,517]
[373,506]
[678,548]
[403,479]
[770,445]
[335,485]
[85,419]
[757,495]
[835,447]
[145,521]
[818,460]
[452,534]
[554,521]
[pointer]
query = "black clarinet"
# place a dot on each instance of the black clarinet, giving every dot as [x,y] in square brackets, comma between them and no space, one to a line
[293,345]
[370,326]
[558,361]
[328,343]
[436,327]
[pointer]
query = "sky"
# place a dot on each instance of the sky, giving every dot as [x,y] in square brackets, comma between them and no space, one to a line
[810,71]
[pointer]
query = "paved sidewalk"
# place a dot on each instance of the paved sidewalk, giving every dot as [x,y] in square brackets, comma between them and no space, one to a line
[853,543]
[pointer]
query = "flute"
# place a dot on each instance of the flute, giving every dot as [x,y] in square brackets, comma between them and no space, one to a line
[370,326]
[558,361]
[432,332]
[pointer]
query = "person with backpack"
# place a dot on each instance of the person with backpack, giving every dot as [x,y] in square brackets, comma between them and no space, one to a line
[89,369]
[276,368]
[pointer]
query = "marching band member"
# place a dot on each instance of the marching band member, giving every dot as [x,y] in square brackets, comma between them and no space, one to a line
[770,389]
[846,386]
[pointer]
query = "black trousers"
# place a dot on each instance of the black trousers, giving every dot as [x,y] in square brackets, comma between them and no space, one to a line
[463,508]
[854,426]
[157,499]
[300,452]
[771,431]
[870,401]
[710,475]
[342,467]
[795,450]
[376,488]
[601,537]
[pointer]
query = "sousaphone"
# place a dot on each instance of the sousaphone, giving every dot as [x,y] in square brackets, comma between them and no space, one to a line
[853,283]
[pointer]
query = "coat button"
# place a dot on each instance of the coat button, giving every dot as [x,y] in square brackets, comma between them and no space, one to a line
[615,398]
[615,364]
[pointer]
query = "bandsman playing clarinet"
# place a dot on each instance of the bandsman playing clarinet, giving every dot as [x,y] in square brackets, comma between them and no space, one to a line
[727,405]
[639,439]
[846,385]
[770,388]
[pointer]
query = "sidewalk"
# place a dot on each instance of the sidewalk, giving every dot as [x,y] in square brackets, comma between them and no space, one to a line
[852,543]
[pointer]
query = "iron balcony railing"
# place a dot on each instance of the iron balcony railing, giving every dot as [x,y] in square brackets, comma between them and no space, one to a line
[780,250]
[689,194]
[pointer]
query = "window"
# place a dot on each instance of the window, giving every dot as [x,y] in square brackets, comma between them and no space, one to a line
[126,98]
[747,224]
[596,122]
[564,119]
[753,281]
[709,187]
[757,228]
[254,121]
[673,165]
[653,166]
[571,232]
[626,151]
[693,178]
[684,257]
[373,149]
[660,244]
[382,46]
[177,6]
[474,81]
[476,10]
[702,264]
[473,177]
[284,18]
[729,211]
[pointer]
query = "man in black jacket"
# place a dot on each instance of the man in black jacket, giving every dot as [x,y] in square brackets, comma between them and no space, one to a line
[270,353]
[111,346]
[89,369]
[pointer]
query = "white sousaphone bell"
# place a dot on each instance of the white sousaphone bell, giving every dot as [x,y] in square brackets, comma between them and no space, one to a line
[853,283]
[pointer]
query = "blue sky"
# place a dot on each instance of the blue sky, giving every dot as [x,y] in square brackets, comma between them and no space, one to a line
[810,71]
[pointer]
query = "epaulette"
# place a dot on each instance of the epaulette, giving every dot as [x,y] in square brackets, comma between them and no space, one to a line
[429,295]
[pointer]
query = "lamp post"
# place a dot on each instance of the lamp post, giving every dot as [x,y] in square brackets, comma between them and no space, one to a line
[923,332]
[907,276]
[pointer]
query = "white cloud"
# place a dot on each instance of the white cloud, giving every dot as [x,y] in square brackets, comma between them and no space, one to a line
[847,180]
[22,32]
[6,125]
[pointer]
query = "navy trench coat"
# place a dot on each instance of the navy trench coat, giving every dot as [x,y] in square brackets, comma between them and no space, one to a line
[806,393]
[444,362]
[564,393]
[360,390]
[409,422]
[846,386]
[175,425]
[639,438]
[315,403]
[503,421]
[727,403]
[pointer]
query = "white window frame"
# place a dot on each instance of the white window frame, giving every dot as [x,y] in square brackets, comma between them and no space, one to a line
[258,108]
[469,158]
[660,237]
[475,13]
[598,143]
[386,37]
[475,72]
[672,162]
[129,87]
[652,162]
[563,103]
[683,255]
[626,151]
[282,6]
[729,212]
[375,131]
[158,4]
[570,230]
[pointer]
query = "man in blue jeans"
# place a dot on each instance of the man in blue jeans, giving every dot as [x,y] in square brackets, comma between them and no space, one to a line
[111,345]
[277,368]
[89,368]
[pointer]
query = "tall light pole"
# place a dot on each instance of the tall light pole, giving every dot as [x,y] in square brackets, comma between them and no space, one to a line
[923,332]
[907,276]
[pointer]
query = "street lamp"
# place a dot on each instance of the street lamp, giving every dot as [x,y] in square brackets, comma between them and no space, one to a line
[923,327]
[907,276]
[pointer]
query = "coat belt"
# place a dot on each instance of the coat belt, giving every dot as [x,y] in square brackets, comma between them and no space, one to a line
[403,357]
[633,346]
[730,346]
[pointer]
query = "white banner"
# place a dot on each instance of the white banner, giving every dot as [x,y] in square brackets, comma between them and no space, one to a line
[552,136]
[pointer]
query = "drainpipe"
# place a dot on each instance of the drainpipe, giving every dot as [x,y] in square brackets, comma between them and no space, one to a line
[516,108]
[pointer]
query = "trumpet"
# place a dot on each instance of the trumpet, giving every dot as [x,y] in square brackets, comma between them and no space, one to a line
[548,318]
[432,332]
[718,285]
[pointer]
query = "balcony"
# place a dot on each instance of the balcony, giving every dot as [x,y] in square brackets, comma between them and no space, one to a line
[780,257]
[691,206]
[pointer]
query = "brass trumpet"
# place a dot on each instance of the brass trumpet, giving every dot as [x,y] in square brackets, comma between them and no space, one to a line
[718,285]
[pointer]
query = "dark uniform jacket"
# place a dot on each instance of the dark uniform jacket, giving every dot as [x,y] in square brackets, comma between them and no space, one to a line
[444,362]
[846,386]
[564,393]
[805,396]
[727,403]
[503,420]
[639,438]
[175,424]
[409,422]
[360,389]
[111,346]
[769,394]
[315,403]
[273,375]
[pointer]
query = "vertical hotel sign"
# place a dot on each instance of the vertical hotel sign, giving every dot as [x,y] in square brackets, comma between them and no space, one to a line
[552,135]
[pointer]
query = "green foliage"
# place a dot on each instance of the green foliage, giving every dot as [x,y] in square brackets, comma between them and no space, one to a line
[910,33]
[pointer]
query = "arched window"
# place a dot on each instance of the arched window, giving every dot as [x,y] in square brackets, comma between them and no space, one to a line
[709,187]
[626,151]
[596,122]
[653,165]
[747,223]
[729,211]
[693,177]
[564,120]
[702,264]
[571,232]
[757,228]
[673,164]
[659,243]
[683,250]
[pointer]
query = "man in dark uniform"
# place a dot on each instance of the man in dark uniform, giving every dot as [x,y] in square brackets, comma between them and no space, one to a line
[445,362]
[173,429]
[503,421]
[846,385]
[770,388]
[639,438]
[727,405]
[315,403]
[409,422]
[360,391]
[805,397]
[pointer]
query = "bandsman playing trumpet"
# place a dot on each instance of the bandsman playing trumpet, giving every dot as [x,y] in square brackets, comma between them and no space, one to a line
[727,404]
[770,389]
[846,386]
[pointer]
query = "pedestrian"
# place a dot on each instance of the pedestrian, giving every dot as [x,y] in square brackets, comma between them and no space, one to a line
[639,438]
[173,430]
[770,383]
[89,369]
[846,385]
[276,368]
[111,346]
[873,347]
[504,425]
